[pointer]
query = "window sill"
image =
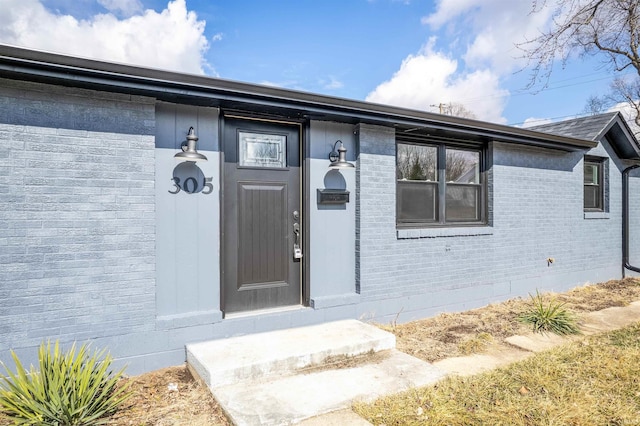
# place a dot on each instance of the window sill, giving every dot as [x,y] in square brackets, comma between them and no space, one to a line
[471,231]
[597,215]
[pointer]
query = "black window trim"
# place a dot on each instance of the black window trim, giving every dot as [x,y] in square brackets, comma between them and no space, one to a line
[600,163]
[442,145]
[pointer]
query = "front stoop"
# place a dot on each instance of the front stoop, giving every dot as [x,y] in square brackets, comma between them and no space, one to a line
[227,361]
[257,379]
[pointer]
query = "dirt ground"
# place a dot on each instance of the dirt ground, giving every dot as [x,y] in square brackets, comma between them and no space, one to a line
[449,335]
[172,396]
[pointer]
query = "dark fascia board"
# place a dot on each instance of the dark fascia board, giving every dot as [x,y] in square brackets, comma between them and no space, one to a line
[621,137]
[32,65]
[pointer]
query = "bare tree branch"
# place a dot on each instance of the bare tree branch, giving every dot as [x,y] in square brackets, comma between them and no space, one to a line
[457,109]
[606,28]
[585,27]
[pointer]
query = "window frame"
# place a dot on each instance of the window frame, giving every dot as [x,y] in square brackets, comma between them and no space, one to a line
[600,165]
[441,189]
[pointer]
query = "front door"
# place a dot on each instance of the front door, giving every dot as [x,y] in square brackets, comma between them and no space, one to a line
[262,217]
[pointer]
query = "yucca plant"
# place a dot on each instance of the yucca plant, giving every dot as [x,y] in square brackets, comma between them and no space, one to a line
[549,317]
[68,389]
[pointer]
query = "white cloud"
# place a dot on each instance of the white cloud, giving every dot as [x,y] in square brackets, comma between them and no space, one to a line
[171,39]
[332,84]
[484,34]
[448,10]
[123,7]
[491,29]
[533,121]
[429,78]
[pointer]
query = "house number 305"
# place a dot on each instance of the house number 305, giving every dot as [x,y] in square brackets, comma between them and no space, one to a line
[191,186]
[189,178]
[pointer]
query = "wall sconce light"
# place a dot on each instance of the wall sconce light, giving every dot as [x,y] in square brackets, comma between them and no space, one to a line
[189,152]
[339,159]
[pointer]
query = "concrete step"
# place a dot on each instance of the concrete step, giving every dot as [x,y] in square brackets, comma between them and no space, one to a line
[295,398]
[237,359]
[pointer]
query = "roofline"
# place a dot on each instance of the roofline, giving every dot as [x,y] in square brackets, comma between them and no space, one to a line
[618,119]
[27,64]
[608,125]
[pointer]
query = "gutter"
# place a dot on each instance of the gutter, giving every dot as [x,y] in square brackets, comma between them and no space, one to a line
[171,86]
[625,221]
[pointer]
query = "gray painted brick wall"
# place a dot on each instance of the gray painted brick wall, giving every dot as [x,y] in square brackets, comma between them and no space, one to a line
[77,214]
[634,220]
[536,212]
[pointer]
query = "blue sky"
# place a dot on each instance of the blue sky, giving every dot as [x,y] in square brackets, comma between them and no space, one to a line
[410,53]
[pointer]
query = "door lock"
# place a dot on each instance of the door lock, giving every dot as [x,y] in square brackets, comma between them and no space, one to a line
[297,250]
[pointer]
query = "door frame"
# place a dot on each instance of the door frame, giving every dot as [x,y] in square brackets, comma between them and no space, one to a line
[303,133]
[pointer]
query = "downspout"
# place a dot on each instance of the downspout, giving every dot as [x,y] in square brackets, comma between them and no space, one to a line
[625,220]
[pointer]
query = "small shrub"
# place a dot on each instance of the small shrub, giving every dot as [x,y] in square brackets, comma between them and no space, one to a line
[69,388]
[549,317]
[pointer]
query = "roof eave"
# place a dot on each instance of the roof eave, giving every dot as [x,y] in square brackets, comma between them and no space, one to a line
[179,87]
[621,137]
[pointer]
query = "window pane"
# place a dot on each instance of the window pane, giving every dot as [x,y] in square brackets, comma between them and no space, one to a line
[593,185]
[591,173]
[463,166]
[417,162]
[262,150]
[462,202]
[416,201]
[592,197]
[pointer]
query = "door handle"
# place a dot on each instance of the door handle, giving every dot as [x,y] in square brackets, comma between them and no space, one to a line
[297,251]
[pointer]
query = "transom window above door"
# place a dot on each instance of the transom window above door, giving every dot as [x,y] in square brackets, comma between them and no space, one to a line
[439,184]
[262,150]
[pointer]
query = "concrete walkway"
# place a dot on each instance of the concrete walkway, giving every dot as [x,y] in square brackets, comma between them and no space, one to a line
[520,347]
[278,395]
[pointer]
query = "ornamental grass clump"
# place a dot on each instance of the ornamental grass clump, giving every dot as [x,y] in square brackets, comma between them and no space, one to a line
[550,316]
[68,389]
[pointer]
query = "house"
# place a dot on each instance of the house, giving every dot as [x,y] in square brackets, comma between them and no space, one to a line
[113,229]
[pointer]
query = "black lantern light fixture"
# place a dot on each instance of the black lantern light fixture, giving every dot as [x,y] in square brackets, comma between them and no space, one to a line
[339,158]
[189,152]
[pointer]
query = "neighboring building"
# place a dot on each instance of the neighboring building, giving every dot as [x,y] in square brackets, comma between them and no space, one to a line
[106,236]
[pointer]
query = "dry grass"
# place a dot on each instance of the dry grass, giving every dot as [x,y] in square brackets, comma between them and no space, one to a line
[595,381]
[338,362]
[157,402]
[154,403]
[456,334]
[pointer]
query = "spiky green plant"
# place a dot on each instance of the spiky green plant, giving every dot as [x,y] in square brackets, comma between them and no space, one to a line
[549,316]
[68,389]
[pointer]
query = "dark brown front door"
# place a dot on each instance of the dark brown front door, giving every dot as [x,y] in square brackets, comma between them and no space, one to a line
[262,217]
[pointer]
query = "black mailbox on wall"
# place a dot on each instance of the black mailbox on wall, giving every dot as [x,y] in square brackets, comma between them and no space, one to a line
[333,196]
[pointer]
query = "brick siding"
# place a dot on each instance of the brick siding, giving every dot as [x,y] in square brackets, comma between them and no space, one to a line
[77,210]
[535,213]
